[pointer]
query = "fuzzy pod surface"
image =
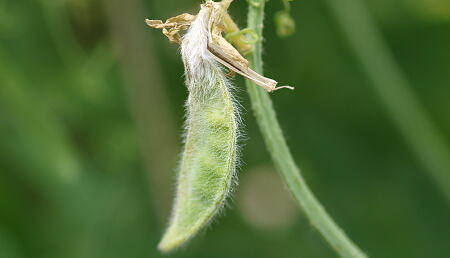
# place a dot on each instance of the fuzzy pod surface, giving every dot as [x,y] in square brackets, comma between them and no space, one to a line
[208,161]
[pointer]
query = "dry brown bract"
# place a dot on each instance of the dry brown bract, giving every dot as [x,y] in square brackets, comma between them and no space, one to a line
[221,50]
[174,24]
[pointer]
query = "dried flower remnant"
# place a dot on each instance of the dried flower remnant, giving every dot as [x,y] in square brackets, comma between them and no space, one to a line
[221,50]
[174,24]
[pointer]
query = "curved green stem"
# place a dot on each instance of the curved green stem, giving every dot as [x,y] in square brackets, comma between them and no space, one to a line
[280,153]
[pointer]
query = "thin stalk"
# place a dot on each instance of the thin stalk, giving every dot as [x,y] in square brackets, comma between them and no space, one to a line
[281,155]
[147,97]
[395,91]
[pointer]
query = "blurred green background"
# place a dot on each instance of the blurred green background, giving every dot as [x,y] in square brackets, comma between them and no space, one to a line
[91,111]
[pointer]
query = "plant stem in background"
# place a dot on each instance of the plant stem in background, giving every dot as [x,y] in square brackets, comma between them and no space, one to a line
[394,90]
[36,133]
[147,98]
[281,155]
[57,21]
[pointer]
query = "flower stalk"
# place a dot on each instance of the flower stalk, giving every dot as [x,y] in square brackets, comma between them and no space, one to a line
[281,155]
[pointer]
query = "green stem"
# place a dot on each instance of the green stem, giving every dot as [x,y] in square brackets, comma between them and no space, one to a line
[394,90]
[282,157]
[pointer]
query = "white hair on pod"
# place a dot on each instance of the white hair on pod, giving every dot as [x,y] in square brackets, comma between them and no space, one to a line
[208,161]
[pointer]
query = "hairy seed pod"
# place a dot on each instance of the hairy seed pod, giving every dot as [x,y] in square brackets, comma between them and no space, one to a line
[209,157]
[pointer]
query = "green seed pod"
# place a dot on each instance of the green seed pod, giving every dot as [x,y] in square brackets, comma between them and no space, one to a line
[209,158]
